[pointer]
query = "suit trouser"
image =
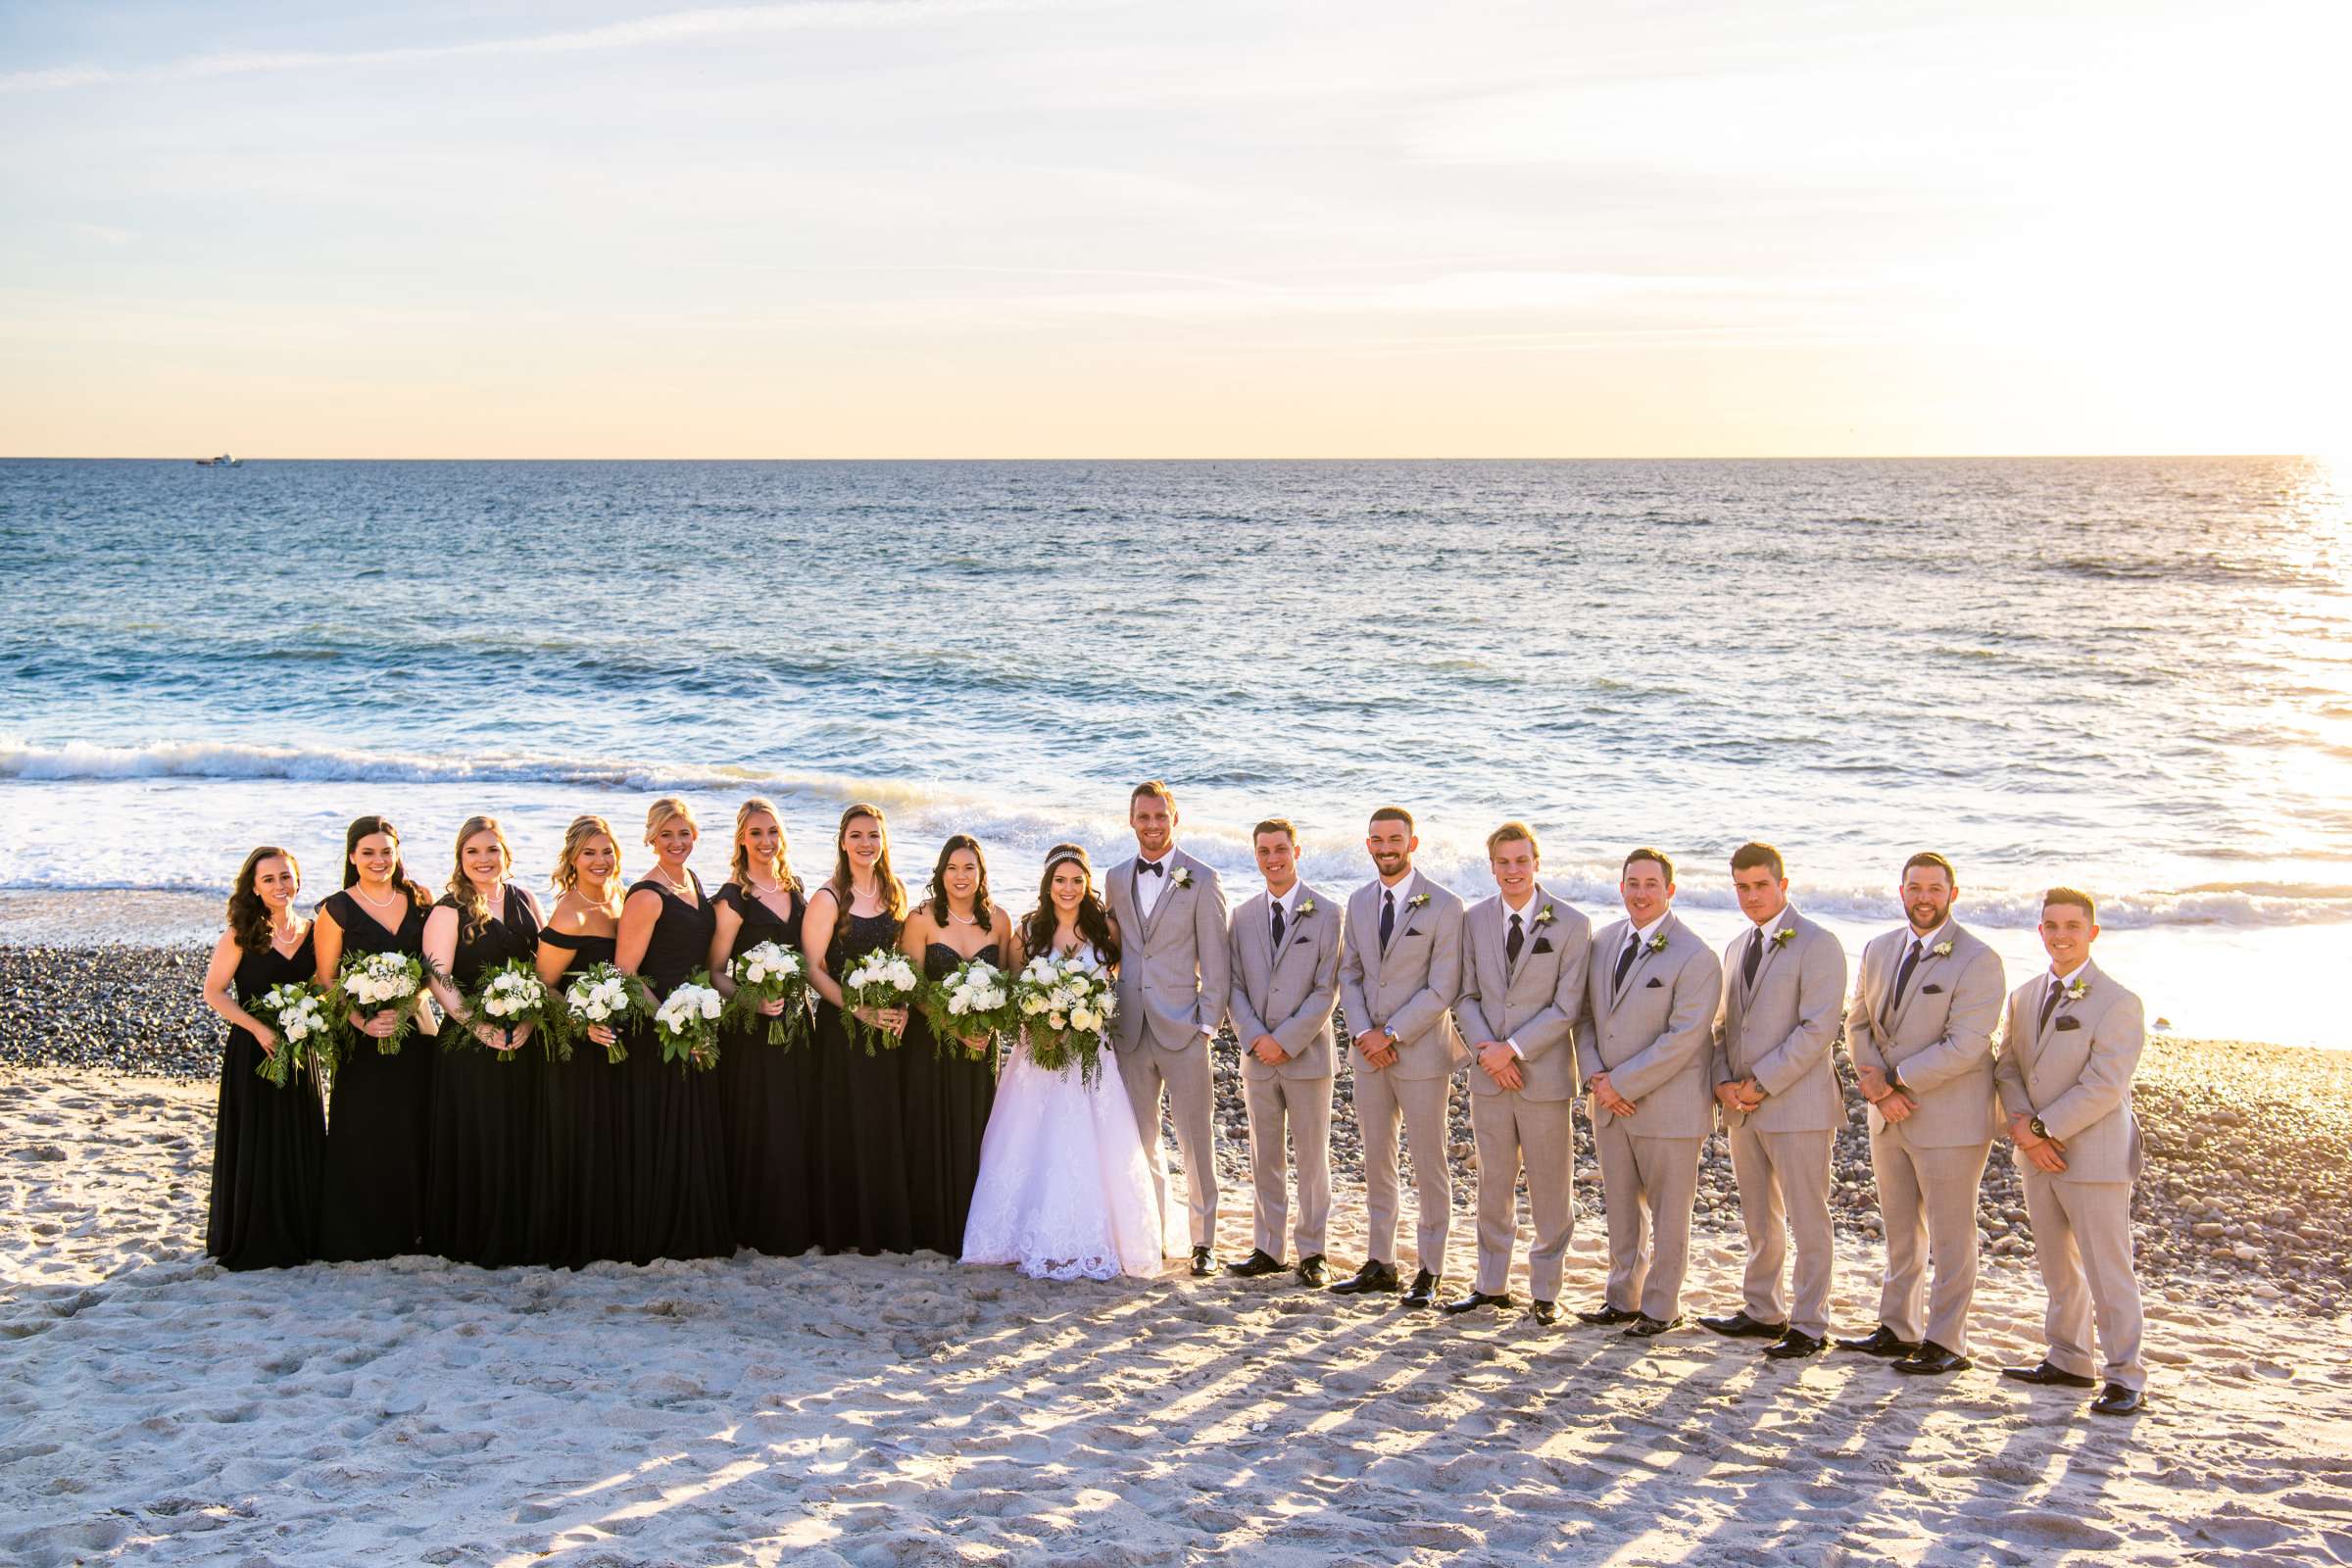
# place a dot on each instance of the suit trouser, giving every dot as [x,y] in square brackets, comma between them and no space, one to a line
[1927,1197]
[1304,1105]
[1785,1192]
[2083,1240]
[1191,1095]
[1651,1185]
[1382,1100]
[1512,1131]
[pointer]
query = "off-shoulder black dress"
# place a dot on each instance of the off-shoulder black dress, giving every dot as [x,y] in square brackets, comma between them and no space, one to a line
[677,1170]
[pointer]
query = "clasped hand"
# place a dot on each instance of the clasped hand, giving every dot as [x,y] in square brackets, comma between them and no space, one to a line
[2046,1154]
[1606,1096]
[1502,1064]
[890,1020]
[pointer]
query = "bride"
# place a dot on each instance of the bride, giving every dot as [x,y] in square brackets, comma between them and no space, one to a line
[1065,1189]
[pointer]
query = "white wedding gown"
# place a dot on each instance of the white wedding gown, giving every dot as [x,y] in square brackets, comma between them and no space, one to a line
[1065,1187]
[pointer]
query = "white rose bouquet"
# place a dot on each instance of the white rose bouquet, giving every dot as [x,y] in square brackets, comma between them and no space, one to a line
[884,978]
[765,973]
[1066,1004]
[299,1011]
[687,1023]
[976,1002]
[508,997]
[602,995]
[371,985]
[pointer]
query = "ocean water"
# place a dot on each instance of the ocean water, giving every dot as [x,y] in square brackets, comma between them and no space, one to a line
[2135,675]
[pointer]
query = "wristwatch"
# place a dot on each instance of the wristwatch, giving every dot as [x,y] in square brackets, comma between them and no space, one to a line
[1895,1080]
[2039,1131]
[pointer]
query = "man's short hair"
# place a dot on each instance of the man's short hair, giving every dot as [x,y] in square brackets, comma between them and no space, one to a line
[1275,824]
[1646,853]
[1153,789]
[2073,896]
[1747,857]
[1514,833]
[1394,813]
[1930,858]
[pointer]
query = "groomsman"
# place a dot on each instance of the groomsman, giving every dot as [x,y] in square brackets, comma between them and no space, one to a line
[1399,972]
[2069,1044]
[1920,1028]
[1648,1053]
[1784,986]
[1173,977]
[1523,986]
[1286,985]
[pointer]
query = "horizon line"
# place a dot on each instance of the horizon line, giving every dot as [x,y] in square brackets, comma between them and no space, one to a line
[1628,456]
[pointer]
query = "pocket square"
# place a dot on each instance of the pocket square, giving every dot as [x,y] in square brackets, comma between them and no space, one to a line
[1655,984]
[1302,942]
[2066,1020]
[1930,991]
[1543,944]
[1412,930]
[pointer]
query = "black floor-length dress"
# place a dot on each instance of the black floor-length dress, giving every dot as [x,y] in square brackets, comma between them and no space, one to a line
[950,1091]
[477,1191]
[379,1115]
[767,1096]
[579,1173]
[268,1139]
[862,1200]
[677,1171]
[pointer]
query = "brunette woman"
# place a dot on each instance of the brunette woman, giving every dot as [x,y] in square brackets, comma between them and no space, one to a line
[380,1113]
[677,1170]
[951,1083]
[766,1092]
[486,1083]
[862,1200]
[267,1139]
[578,1174]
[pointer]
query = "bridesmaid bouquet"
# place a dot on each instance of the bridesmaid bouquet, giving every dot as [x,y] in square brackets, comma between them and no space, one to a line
[975,999]
[602,994]
[512,996]
[298,1012]
[770,972]
[883,978]
[687,1022]
[374,984]
[1066,1004]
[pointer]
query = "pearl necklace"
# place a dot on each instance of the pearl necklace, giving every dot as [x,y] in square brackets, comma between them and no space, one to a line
[359,890]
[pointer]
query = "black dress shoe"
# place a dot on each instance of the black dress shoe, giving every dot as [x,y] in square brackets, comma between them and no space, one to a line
[2115,1399]
[1373,1276]
[1310,1270]
[1203,1265]
[1257,1265]
[1795,1345]
[2046,1376]
[1646,1327]
[1609,1318]
[1932,1360]
[1739,1326]
[1424,1292]
[1881,1341]
[1546,1312]
[1473,1300]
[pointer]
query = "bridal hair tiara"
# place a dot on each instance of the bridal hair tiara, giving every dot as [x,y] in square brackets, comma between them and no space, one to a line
[1076,857]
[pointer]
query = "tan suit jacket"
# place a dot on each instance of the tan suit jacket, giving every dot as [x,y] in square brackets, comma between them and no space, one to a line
[2076,1075]
[1654,1036]
[1174,966]
[1939,1038]
[1291,997]
[1779,1031]
[1533,1003]
[1409,990]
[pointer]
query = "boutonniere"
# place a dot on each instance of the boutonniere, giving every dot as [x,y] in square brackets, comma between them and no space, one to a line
[1416,901]
[1944,948]
[1782,937]
[1657,944]
[1543,915]
[2078,991]
[1306,907]
[1182,877]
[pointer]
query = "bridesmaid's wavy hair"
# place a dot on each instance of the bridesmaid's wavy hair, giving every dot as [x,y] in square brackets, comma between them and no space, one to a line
[1094,915]
[894,891]
[740,867]
[566,875]
[473,911]
[361,827]
[982,910]
[248,915]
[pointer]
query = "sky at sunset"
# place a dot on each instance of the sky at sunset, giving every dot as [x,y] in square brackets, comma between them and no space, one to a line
[1085,228]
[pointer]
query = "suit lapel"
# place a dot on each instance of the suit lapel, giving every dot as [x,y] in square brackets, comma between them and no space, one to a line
[1785,920]
[1167,875]
[1641,957]
[1404,922]
[1920,976]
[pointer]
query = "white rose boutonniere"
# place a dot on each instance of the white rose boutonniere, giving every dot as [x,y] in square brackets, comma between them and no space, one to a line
[1182,877]
[1944,948]
[1783,936]
[1306,907]
[2078,991]
[1416,901]
[1657,943]
[1543,916]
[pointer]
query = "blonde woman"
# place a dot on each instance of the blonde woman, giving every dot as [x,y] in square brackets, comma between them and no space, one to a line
[860,1184]
[485,1085]
[677,1173]
[577,1190]
[766,1092]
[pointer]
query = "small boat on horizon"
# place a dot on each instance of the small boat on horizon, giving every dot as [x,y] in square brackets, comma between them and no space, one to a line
[223,460]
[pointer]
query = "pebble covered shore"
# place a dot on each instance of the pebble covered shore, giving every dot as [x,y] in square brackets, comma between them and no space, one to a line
[2247,1195]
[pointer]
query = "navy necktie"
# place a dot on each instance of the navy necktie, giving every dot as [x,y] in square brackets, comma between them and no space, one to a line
[2049,1003]
[1902,976]
[1388,917]
[1278,930]
[1514,941]
[1625,960]
[1755,956]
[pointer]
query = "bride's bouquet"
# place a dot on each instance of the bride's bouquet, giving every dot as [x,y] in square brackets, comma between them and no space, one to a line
[372,984]
[298,1012]
[602,994]
[975,999]
[687,1023]
[512,996]
[883,978]
[770,972]
[1066,1004]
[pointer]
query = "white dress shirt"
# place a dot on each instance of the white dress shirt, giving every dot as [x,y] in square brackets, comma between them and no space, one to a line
[1149,887]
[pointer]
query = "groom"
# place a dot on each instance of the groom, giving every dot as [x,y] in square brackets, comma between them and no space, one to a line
[1173,985]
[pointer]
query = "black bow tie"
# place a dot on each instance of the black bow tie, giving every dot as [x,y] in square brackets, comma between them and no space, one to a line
[1152,867]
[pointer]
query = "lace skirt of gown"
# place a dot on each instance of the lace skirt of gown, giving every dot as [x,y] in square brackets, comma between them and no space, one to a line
[1065,1187]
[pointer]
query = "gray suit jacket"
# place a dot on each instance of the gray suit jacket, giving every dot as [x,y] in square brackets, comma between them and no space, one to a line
[2076,1075]
[1174,968]
[1940,1038]
[1533,1003]
[1656,1036]
[1409,990]
[1780,1030]
[1290,997]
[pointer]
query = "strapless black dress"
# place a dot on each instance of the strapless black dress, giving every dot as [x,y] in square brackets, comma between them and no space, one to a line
[862,1200]
[677,1169]
[949,1093]
[379,1119]
[580,1191]
[478,1191]
[766,1097]
[269,1140]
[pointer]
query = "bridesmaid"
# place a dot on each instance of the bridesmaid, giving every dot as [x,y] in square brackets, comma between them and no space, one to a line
[766,1092]
[579,1186]
[951,1084]
[862,1200]
[677,1171]
[380,1111]
[485,1107]
[268,1139]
